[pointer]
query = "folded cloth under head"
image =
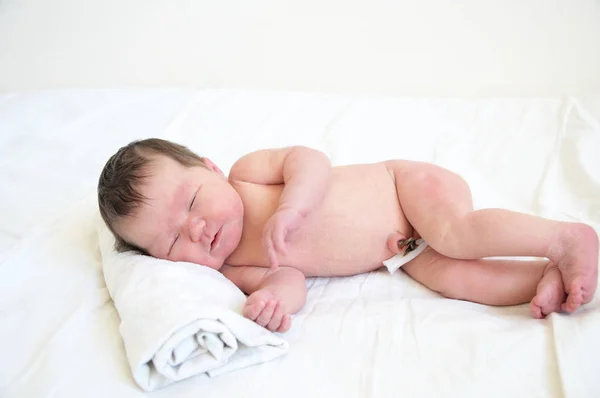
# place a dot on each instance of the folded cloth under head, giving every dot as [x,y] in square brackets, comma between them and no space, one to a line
[180,319]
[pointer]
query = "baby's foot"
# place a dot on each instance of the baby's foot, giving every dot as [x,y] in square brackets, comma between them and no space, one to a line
[550,293]
[577,260]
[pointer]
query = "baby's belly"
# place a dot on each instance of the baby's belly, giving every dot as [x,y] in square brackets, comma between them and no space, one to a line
[348,233]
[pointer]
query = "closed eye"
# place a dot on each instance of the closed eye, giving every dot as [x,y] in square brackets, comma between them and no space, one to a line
[194,198]
[172,244]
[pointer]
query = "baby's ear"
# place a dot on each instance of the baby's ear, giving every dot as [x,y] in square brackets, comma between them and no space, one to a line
[211,166]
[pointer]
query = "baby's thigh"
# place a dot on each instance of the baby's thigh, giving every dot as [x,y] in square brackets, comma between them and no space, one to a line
[429,193]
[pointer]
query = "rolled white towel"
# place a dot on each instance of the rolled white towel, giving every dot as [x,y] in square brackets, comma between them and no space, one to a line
[180,319]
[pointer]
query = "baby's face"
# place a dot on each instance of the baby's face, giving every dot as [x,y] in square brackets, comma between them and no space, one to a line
[192,214]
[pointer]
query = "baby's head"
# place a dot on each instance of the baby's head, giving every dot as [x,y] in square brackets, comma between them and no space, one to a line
[164,200]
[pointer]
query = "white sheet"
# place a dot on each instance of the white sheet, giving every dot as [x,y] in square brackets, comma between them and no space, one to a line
[371,335]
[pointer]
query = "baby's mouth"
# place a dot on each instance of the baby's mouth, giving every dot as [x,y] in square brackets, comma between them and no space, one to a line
[216,240]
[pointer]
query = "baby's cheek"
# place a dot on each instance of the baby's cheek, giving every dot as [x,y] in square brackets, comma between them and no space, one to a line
[195,254]
[233,206]
[191,254]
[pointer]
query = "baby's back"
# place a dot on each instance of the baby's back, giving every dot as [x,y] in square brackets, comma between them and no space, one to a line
[345,235]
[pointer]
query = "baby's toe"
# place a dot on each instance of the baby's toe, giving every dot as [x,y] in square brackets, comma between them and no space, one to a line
[535,309]
[574,300]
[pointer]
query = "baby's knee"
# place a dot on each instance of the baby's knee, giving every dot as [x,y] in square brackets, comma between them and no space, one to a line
[446,239]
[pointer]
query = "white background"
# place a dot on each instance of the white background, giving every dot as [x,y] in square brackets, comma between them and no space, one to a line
[401,48]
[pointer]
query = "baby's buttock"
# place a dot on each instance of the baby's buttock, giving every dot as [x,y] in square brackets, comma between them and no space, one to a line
[348,233]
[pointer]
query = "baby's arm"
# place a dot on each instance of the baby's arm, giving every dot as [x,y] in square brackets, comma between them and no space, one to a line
[306,174]
[274,294]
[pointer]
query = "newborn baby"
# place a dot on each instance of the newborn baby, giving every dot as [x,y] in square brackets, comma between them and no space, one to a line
[285,214]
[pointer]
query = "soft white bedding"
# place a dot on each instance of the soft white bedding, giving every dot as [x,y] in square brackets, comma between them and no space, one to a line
[372,335]
[181,319]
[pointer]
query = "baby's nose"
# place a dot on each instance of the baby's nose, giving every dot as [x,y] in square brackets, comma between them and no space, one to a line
[196,227]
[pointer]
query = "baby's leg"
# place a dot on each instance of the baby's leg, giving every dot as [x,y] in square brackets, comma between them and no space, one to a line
[438,204]
[491,282]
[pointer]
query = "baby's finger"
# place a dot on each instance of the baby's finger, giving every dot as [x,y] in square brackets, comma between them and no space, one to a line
[276,319]
[267,313]
[286,323]
[252,311]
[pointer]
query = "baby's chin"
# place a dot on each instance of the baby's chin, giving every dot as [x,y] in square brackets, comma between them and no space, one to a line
[215,266]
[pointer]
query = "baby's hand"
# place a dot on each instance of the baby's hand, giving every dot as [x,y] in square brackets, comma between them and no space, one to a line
[268,311]
[277,230]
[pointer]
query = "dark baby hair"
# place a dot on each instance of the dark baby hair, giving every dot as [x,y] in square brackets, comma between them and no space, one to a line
[123,174]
